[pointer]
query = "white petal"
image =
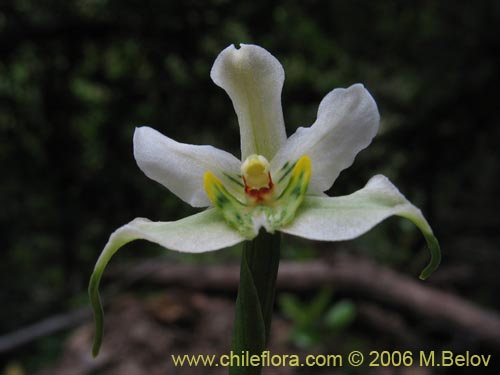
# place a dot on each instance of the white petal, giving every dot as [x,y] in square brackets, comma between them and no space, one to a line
[253,79]
[206,231]
[347,121]
[202,232]
[180,167]
[347,217]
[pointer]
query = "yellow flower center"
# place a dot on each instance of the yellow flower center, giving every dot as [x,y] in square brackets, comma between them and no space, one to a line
[255,172]
[263,205]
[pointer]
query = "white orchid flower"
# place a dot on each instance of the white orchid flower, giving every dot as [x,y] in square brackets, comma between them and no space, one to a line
[278,184]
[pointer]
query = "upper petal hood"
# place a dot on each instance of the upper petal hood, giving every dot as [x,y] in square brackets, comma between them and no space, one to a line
[253,79]
[347,121]
[180,167]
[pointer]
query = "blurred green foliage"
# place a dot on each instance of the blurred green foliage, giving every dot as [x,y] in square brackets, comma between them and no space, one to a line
[76,78]
[316,321]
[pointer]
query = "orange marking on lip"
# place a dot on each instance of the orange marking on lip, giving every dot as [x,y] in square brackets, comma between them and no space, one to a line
[261,194]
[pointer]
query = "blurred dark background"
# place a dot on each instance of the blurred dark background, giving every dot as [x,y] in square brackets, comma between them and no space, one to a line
[76,78]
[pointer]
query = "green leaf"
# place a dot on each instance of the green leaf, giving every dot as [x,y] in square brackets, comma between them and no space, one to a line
[292,307]
[340,315]
[318,305]
[254,305]
[249,328]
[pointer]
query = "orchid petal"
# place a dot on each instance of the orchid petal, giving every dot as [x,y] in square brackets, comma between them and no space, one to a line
[253,79]
[346,123]
[205,231]
[234,212]
[180,167]
[292,195]
[347,217]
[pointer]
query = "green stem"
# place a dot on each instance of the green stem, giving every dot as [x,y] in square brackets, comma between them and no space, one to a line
[255,301]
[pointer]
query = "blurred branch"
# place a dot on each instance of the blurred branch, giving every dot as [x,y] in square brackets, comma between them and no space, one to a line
[387,322]
[43,328]
[363,276]
[357,275]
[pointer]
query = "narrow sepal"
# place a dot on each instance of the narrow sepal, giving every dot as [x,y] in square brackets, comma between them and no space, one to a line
[205,231]
[347,217]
